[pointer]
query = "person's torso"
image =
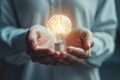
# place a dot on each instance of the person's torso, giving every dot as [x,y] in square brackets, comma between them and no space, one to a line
[81,13]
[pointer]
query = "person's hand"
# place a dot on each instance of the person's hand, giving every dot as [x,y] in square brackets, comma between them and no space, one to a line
[40,45]
[78,46]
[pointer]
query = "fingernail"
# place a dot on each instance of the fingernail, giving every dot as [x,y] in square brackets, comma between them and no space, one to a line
[87,46]
[57,54]
[69,49]
[65,54]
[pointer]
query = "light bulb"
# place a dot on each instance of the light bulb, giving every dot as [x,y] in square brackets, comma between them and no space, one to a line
[60,26]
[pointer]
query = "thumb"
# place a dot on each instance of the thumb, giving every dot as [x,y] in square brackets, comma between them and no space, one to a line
[32,40]
[87,44]
[87,40]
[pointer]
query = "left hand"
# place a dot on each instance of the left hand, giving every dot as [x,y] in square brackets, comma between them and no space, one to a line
[78,47]
[40,45]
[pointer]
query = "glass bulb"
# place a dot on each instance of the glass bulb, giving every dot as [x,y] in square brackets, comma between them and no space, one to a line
[60,26]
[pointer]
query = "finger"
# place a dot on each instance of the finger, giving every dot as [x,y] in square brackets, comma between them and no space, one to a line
[87,39]
[43,52]
[56,54]
[88,53]
[62,59]
[43,60]
[73,59]
[67,63]
[32,37]
[63,62]
[31,41]
[78,52]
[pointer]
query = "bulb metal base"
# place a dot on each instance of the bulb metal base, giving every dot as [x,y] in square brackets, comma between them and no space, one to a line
[59,46]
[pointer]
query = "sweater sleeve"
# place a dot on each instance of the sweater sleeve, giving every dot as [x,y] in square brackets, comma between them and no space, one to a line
[12,38]
[104,31]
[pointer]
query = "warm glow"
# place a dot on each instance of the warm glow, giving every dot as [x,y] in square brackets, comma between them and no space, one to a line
[60,25]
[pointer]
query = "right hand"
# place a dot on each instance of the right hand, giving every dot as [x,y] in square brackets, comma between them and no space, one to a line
[78,46]
[40,45]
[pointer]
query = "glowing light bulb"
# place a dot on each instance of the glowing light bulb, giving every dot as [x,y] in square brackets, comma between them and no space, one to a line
[60,26]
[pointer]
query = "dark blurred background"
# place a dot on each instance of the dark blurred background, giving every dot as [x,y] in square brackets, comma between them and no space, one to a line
[110,69]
